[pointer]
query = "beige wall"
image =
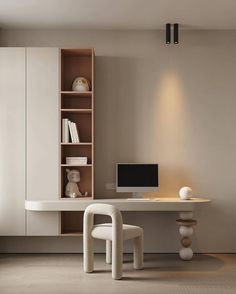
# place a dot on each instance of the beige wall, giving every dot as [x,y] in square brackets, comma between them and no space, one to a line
[175,105]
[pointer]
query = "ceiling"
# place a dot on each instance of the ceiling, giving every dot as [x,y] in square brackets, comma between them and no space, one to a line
[117,14]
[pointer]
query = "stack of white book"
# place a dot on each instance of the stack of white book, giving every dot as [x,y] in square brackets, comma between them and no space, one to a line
[69,131]
[77,160]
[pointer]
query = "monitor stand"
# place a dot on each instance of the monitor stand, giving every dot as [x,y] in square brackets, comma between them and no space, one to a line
[138,195]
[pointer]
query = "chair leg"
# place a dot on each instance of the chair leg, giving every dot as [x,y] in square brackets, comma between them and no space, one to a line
[108,251]
[88,253]
[138,252]
[117,259]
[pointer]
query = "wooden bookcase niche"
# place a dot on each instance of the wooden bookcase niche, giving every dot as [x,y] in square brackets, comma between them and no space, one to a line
[78,107]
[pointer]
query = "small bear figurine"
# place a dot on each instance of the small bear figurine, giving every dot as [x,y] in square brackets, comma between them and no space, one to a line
[72,188]
[81,84]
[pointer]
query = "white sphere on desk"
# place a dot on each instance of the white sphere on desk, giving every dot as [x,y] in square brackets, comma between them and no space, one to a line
[185,193]
[186,253]
[185,231]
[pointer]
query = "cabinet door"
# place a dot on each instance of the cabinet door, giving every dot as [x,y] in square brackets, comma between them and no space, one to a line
[12,143]
[42,137]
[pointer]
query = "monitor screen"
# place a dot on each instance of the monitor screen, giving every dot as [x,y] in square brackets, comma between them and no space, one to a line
[137,176]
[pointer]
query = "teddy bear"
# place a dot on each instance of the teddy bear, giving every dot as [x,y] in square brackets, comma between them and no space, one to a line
[72,188]
[81,84]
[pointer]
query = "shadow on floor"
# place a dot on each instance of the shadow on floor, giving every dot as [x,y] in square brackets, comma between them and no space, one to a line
[199,263]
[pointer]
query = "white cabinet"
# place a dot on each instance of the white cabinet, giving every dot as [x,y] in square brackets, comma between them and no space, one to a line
[29,145]
[42,136]
[12,143]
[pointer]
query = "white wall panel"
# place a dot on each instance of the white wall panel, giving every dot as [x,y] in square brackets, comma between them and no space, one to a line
[12,141]
[42,136]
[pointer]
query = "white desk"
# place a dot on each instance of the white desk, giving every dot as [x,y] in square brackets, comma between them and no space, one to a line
[184,207]
[162,204]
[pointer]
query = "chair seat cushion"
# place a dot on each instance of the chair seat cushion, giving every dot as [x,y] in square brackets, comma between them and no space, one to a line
[104,231]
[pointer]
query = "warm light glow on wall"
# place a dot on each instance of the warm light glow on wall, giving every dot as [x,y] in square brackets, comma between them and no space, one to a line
[171,131]
[170,95]
[171,113]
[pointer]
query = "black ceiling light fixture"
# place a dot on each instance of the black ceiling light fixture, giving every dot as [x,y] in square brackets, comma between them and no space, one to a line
[176,33]
[168,33]
[175,30]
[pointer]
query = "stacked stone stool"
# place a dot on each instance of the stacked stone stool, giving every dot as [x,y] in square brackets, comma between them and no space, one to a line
[186,224]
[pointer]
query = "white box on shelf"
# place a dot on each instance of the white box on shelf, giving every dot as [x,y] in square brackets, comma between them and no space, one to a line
[77,160]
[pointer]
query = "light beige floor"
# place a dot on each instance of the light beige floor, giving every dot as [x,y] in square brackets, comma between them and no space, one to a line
[163,273]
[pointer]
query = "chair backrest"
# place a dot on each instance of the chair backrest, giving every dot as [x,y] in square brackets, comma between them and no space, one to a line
[103,209]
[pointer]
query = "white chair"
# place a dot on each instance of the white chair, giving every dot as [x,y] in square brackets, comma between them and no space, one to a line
[114,233]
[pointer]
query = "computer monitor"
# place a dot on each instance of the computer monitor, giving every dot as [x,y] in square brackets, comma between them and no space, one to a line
[137,178]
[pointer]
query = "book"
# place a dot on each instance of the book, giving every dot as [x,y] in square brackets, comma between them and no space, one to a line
[71,132]
[65,131]
[76,134]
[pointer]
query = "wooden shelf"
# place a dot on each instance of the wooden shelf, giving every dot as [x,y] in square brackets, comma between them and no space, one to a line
[84,122]
[77,51]
[71,223]
[81,143]
[81,165]
[72,234]
[76,101]
[78,107]
[76,63]
[82,198]
[77,110]
[78,94]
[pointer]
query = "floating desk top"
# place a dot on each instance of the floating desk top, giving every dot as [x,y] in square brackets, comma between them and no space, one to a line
[156,204]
